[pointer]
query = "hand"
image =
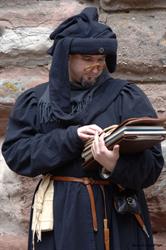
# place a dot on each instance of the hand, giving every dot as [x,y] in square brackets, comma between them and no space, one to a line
[106,158]
[88,131]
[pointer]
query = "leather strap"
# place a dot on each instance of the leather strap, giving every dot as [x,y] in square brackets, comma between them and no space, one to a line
[84,180]
[106,227]
[89,182]
[141,223]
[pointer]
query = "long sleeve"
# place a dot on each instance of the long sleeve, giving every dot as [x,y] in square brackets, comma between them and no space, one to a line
[139,170]
[29,152]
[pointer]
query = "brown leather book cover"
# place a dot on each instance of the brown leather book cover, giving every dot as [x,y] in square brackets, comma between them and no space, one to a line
[133,135]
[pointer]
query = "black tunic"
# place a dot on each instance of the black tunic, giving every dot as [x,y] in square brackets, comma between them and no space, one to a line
[31,149]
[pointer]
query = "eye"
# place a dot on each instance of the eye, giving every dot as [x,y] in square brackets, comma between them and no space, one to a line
[101,59]
[87,58]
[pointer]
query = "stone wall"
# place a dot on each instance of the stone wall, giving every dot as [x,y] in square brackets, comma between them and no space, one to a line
[24,39]
[125,5]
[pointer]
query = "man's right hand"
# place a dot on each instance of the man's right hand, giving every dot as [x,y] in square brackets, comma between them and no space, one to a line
[88,131]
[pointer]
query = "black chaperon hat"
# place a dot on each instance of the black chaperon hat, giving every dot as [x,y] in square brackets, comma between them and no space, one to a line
[89,36]
[79,34]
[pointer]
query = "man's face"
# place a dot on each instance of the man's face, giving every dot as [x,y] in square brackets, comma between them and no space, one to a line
[84,69]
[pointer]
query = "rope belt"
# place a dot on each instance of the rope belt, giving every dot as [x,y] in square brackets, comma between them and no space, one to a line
[88,182]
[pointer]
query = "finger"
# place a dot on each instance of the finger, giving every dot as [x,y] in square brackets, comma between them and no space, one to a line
[87,136]
[101,139]
[116,150]
[95,143]
[96,139]
[92,150]
[96,128]
[88,131]
[91,131]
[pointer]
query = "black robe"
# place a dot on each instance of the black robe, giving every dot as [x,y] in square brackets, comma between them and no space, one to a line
[31,149]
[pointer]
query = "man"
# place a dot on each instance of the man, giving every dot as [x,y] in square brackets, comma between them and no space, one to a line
[48,128]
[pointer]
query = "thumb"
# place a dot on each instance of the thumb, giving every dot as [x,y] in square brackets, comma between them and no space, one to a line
[116,150]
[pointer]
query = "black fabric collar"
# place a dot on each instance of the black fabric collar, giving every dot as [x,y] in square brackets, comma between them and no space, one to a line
[78,100]
[82,101]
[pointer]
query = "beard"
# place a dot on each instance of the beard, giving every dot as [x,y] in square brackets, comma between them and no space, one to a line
[89,82]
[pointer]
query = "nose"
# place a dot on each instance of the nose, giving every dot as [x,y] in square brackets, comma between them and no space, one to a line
[94,68]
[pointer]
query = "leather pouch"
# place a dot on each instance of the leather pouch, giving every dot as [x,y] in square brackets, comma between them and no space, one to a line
[126,202]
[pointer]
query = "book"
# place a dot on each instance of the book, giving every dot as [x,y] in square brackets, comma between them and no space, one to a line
[133,135]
